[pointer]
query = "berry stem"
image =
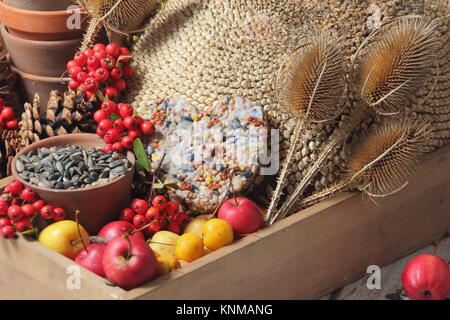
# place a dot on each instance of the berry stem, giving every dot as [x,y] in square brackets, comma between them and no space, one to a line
[142,228]
[127,237]
[230,185]
[79,239]
[155,175]
[150,194]
[77,213]
[165,244]
[232,188]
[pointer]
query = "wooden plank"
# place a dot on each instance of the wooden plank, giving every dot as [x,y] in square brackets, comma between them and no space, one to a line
[32,271]
[322,248]
[391,276]
[5,181]
[304,256]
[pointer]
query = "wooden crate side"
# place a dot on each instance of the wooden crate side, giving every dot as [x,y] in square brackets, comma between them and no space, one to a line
[5,181]
[32,271]
[322,248]
[304,256]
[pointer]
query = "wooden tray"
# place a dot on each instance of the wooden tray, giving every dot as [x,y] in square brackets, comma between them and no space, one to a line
[304,256]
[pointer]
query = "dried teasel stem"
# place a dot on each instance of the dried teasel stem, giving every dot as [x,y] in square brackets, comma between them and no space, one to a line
[387,75]
[90,34]
[335,141]
[282,177]
[309,83]
[382,160]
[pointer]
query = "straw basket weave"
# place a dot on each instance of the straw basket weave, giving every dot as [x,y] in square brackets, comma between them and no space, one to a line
[206,51]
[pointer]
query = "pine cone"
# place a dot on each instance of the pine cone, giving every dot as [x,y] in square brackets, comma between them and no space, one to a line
[12,144]
[68,113]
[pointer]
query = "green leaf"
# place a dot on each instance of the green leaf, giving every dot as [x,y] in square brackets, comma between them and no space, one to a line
[32,232]
[141,155]
[113,117]
[96,239]
[173,186]
[158,185]
[33,218]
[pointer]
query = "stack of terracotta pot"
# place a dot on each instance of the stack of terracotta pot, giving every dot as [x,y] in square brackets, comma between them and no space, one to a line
[40,38]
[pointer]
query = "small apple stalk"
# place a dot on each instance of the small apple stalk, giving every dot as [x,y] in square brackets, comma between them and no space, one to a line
[65,237]
[118,228]
[92,257]
[243,214]
[129,262]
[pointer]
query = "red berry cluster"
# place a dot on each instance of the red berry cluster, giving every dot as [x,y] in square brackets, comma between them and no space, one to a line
[161,215]
[7,117]
[18,205]
[100,70]
[120,133]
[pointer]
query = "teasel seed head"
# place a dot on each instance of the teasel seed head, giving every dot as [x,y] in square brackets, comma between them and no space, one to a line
[311,81]
[382,160]
[122,16]
[396,62]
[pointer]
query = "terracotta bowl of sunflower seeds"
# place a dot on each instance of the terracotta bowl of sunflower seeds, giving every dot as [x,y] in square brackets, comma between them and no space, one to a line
[71,171]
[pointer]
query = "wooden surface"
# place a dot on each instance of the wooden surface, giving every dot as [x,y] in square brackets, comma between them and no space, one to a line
[390,276]
[322,248]
[31,271]
[304,256]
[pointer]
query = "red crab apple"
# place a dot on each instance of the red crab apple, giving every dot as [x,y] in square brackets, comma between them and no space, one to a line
[243,214]
[118,228]
[426,277]
[92,258]
[130,262]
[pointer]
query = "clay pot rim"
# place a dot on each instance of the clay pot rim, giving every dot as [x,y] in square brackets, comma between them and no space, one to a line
[20,4]
[50,14]
[130,157]
[34,77]
[48,43]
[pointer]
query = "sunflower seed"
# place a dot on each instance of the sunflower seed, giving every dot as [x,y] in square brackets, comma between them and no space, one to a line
[104,175]
[119,171]
[116,163]
[71,167]
[76,157]
[59,166]
[19,166]
[94,175]
[59,185]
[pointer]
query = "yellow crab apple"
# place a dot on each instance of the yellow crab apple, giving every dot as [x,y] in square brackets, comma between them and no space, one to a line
[196,225]
[164,242]
[63,237]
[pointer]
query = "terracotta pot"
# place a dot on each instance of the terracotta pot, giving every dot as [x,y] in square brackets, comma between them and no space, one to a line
[30,84]
[97,205]
[40,5]
[41,25]
[41,58]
